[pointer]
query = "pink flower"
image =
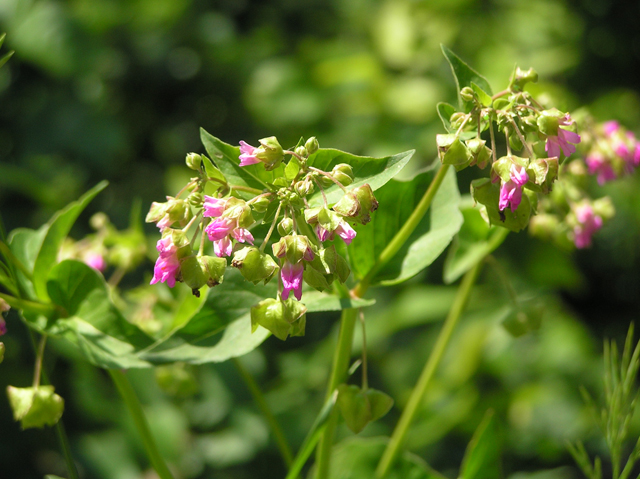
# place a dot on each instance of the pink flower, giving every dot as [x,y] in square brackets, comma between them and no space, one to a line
[223,247]
[589,223]
[214,207]
[511,191]
[242,235]
[247,154]
[292,279]
[322,233]
[96,261]
[597,163]
[563,140]
[611,127]
[346,232]
[3,327]
[164,222]
[167,265]
[219,228]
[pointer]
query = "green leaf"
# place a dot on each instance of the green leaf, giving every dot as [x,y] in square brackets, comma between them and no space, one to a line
[488,194]
[475,240]
[357,458]
[25,244]
[227,159]
[56,231]
[397,200]
[445,110]
[482,458]
[213,172]
[464,74]
[374,171]
[484,98]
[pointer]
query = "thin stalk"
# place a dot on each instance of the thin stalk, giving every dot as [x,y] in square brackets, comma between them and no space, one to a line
[117,276]
[185,188]
[365,377]
[324,197]
[403,234]
[330,176]
[130,399]
[397,438]
[248,189]
[36,306]
[341,359]
[258,397]
[522,139]
[273,225]
[506,135]
[493,141]
[39,356]
[504,278]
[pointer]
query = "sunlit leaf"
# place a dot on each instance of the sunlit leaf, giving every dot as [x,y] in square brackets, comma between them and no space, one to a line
[464,74]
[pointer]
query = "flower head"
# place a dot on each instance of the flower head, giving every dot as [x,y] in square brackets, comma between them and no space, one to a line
[563,138]
[511,191]
[588,224]
[96,261]
[597,164]
[248,154]
[292,279]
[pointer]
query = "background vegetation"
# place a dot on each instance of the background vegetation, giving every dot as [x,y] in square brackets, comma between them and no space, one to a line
[118,89]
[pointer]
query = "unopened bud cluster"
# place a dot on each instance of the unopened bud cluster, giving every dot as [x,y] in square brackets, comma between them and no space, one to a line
[215,212]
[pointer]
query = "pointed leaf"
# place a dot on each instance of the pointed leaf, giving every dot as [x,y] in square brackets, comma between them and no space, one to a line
[484,98]
[482,458]
[397,200]
[445,110]
[464,74]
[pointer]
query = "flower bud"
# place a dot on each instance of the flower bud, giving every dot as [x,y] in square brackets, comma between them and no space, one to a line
[480,154]
[343,173]
[312,145]
[545,172]
[239,210]
[270,153]
[301,151]
[452,151]
[304,187]
[282,318]
[254,265]
[35,407]
[515,142]
[457,119]
[285,227]
[200,270]
[467,94]
[521,77]
[99,221]
[549,121]
[156,212]
[325,181]
[294,247]
[260,203]
[311,215]
[358,204]
[196,199]
[193,161]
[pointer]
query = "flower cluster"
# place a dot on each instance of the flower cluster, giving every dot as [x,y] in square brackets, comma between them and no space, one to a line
[295,204]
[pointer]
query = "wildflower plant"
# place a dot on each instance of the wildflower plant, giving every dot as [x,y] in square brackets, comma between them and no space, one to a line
[261,236]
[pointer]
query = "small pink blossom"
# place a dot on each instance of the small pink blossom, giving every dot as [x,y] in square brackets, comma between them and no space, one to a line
[292,279]
[322,233]
[597,164]
[346,232]
[214,207]
[96,261]
[223,247]
[611,127]
[167,265]
[3,327]
[242,235]
[589,223]
[219,228]
[247,154]
[164,222]
[563,140]
[511,191]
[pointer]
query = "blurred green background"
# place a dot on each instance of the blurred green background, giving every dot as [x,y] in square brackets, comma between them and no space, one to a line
[118,89]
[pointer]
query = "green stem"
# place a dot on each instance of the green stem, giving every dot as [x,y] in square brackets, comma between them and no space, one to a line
[248,189]
[258,397]
[66,450]
[341,360]
[403,234]
[400,432]
[25,304]
[130,399]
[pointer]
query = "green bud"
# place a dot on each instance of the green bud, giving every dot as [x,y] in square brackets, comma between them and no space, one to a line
[270,153]
[240,210]
[343,173]
[100,221]
[196,271]
[285,227]
[279,317]
[529,123]
[304,187]
[457,119]
[521,77]
[328,219]
[548,122]
[196,199]
[543,172]
[452,151]
[326,266]
[301,151]
[260,204]
[254,265]
[193,161]
[312,145]
[35,407]
[156,212]
[325,181]
[467,94]
[357,204]
[480,154]
[311,215]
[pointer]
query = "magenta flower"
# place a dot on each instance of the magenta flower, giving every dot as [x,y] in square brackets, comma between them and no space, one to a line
[164,222]
[219,228]
[563,140]
[589,223]
[167,265]
[511,191]
[96,261]
[242,235]
[214,207]
[223,247]
[611,127]
[292,279]
[597,164]
[344,230]
[247,154]
[3,327]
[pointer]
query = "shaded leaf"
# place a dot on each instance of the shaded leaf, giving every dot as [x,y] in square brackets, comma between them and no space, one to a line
[397,200]
[482,457]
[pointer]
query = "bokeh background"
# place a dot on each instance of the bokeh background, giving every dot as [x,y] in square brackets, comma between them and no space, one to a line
[118,89]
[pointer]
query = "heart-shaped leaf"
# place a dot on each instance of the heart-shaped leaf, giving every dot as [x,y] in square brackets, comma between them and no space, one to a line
[354,406]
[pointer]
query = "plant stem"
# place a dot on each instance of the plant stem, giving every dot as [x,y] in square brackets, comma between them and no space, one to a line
[403,234]
[273,225]
[39,356]
[365,377]
[135,408]
[66,450]
[338,373]
[400,432]
[258,397]
[248,189]
[330,176]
